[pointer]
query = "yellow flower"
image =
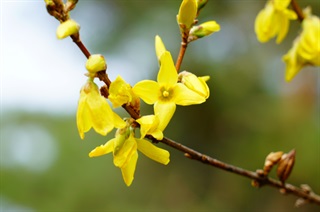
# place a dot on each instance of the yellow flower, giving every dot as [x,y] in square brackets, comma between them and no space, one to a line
[306,48]
[194,83]
[120,92]
[67,28]
[167,92]
[187,13]
[274,20]
[94,111]
[125,155]
[149,125]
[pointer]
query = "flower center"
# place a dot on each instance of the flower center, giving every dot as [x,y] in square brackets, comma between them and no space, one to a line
[165,93]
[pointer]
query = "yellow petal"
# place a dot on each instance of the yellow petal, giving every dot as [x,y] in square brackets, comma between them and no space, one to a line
[184,96]
[165,111]
[149,125]
[153,152]
[119,92]
[84,122]
[147,90]
[293,64]
[128,170]
[281,4]
[167,75]
[103,149]
[160,48]
[101,113]
[194,83]
[283,22]
[157,134]
[125,153]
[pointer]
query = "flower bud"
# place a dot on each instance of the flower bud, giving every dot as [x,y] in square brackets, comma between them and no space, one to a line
[96,63]
[160,48]
[187,14]
[194,83]
[285,165]
[67,28]
[120,93]
[204,29]
[272,159]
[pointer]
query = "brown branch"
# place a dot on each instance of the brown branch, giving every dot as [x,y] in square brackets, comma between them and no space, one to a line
[78,42]
[182,51]
[259,180]
[297,9]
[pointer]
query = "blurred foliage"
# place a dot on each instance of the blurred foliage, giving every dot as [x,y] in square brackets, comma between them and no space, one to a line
[251,112]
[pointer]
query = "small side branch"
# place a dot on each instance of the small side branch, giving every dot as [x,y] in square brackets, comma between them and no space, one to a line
[297,9]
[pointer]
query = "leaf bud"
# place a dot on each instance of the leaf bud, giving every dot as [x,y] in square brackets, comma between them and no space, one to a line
[67,28]
[285,166]
[96,63]
[272,159]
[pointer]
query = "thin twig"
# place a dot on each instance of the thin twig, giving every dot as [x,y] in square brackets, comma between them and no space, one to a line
[297,9]
[261,180]
[182,51]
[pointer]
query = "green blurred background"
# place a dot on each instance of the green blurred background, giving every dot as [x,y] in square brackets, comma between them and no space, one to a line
[251,110]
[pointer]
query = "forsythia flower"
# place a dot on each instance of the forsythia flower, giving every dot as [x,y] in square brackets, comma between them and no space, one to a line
[274,20]
[120,92]
[306,48]
[94,111]
[167,92]
[125,155]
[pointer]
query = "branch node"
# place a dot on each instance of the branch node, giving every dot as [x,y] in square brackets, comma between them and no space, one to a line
[187,155]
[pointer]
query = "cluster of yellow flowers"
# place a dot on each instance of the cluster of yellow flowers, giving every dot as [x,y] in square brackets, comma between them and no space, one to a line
[274,20]
[171,88]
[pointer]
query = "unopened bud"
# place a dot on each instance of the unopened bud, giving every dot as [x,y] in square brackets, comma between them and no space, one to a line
[187,14]
[194,83]
[202,30]
[55,8]
[285,166]
[95,63]
[272,159]
[67,28]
